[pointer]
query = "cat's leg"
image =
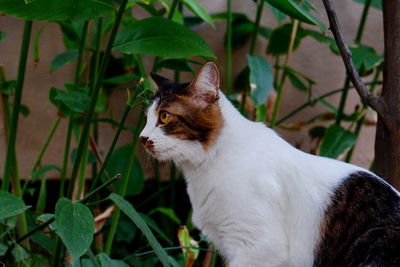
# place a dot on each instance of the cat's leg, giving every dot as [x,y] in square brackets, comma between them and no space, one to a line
[379,247]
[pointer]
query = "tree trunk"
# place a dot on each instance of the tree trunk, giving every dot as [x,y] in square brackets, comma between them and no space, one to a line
[387,141]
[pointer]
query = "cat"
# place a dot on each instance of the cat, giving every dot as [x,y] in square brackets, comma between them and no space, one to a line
[261,201]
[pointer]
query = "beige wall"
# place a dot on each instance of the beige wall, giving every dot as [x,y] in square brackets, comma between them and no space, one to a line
[313,59]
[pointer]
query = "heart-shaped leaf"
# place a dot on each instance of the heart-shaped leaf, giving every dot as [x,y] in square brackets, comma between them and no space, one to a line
[75,226]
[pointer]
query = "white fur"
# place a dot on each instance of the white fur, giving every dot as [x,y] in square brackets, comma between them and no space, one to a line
[256,197]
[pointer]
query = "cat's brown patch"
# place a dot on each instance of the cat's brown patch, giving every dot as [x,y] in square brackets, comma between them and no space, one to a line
[189,121]
[361,207]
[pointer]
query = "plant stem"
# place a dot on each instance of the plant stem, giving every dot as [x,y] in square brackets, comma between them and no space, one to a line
[43,149]
[80,53]
[124,185]
[284,74]
[173,8]
[96,91]
[12,134]
[5,106]
[342,103]
[229,47]
[360,122]
[63,175]
[256,27]
[363,19]
[10,161]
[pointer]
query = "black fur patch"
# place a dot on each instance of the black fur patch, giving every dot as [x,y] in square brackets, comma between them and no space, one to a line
[361,226]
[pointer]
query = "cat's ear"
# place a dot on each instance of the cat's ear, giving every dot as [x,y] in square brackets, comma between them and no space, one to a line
[160,81]
[205,86]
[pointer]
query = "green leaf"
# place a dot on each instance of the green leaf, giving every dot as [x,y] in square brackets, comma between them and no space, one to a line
[181,65]
[74,100]
[118,163]
[197,9]
[19,253]
[138,221]
[126,78]
[296,77]
[106,261]
[185,240]
[75,226]
[336,141]
[280,16]
[261,79]
[161,37]
[280,39]
[374,3]
[3,249]
[2,36]
[63,59]
[294,10]
[10,205]
[40,172]
[56,10]
[365,58]
[170,213]
[321,37]
[153,225]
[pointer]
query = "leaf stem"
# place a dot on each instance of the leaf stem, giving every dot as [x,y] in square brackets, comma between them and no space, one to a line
[363,19]
[96,91]
[281,86]
[229,47]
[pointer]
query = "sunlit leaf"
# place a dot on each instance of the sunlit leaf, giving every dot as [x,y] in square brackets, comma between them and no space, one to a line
[336,141]
[56,10]
[294,10]
[190,254]
[75,226]
[197,9]
[261,79]
[161,37]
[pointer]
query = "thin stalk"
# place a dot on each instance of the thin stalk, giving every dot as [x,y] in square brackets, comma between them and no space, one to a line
[82,175]
[43,149]
[10,161]
[308,103]
[173,8]
[229,47]
[360,122]
[80,53]
[96,91]
[123,187]
[363,19]
[12,134]
[63,175]
[256,27]
[357,39]
[284,75]
[5,106]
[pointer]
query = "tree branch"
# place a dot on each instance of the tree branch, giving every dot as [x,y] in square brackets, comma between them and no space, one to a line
[368,98]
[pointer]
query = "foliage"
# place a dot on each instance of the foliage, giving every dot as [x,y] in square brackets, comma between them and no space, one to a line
[151,228]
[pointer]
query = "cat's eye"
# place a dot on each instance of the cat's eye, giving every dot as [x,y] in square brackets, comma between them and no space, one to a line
[164,117]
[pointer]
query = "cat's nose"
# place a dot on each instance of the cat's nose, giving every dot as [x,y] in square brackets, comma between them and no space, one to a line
[143,139]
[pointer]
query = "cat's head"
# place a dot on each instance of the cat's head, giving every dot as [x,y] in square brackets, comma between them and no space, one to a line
[184,119]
